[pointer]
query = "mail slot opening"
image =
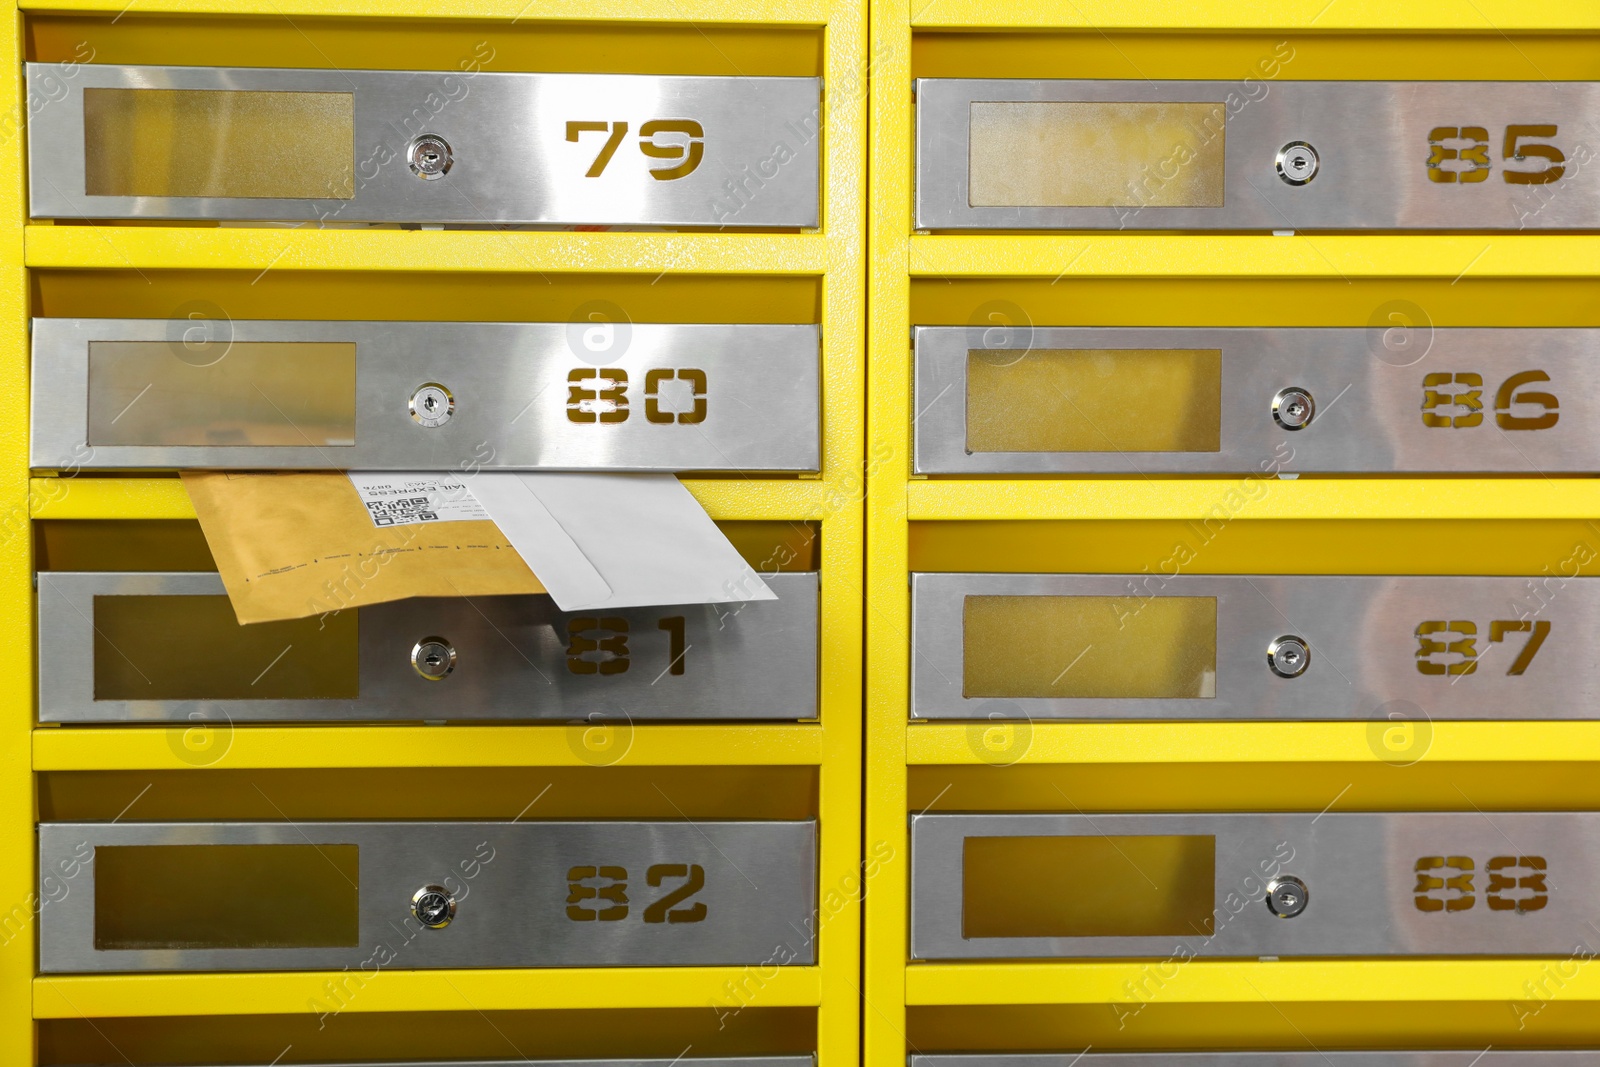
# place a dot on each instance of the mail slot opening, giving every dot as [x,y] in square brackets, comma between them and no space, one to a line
[1128,647]
[1094,400]
[193,648]
[225,896]
[220,143]
[1089,154]
[197,390]
[1095,886]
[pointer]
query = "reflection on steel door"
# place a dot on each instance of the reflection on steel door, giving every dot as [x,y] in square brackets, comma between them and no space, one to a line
[458,147]
[408,895]
[1282,155]
[1136,401]
[1161,645]
[118,647]
[140,393]
[1214,885]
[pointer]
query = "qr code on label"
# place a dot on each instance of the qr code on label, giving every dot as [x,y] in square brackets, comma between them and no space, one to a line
[401,511]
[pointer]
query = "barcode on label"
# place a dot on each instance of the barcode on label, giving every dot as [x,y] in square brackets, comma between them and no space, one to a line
[401,511]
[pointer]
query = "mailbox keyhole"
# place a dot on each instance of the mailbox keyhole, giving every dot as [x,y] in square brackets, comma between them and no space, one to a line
[431,405]
[430,157]
[433,658]
[434,906]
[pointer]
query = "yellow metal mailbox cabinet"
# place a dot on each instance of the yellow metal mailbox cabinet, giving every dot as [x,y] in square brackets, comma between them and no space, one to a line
[449,237]
[1219,528]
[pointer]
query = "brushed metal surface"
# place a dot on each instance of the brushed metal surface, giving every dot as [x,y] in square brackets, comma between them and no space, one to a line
[1360,870]
[1372,139]
[513,163]
[1361,631]
[759,893]
[1370,401]
[510,383]
[751,661]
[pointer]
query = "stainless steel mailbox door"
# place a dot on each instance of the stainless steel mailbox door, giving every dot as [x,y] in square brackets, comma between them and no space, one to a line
[525,894]
[1412,884]
[517,657]
[139,393]
[1282,155]
[423,146]
[1133,401]
[1165,646]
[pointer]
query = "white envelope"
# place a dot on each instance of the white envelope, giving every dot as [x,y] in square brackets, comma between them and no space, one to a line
[617,540]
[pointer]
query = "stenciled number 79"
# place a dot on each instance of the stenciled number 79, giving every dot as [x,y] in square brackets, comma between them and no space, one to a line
[689,153]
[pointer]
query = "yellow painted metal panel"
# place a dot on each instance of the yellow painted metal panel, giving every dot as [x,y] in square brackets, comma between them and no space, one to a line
[1223,982]
[73,996]
[840,888]
[1546,1022]
[1299,498]
[1468,16]
[887,609]
[263,249]
[250,747]
[1403,779]
[1162,744]
[708,11]
[451,1036]
[1241,301]
[1339,256]
[431,296]
[1254,56]
[90,497]
[254,35]
[1549,551]
[19,899]
[85,497]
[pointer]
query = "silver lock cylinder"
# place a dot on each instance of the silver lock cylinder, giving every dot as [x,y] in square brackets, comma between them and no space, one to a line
[1298,163]
[434,906]
[1289,656]
[1294,408]
[433,658]
[1287,896]
[431,405]
[430,157]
